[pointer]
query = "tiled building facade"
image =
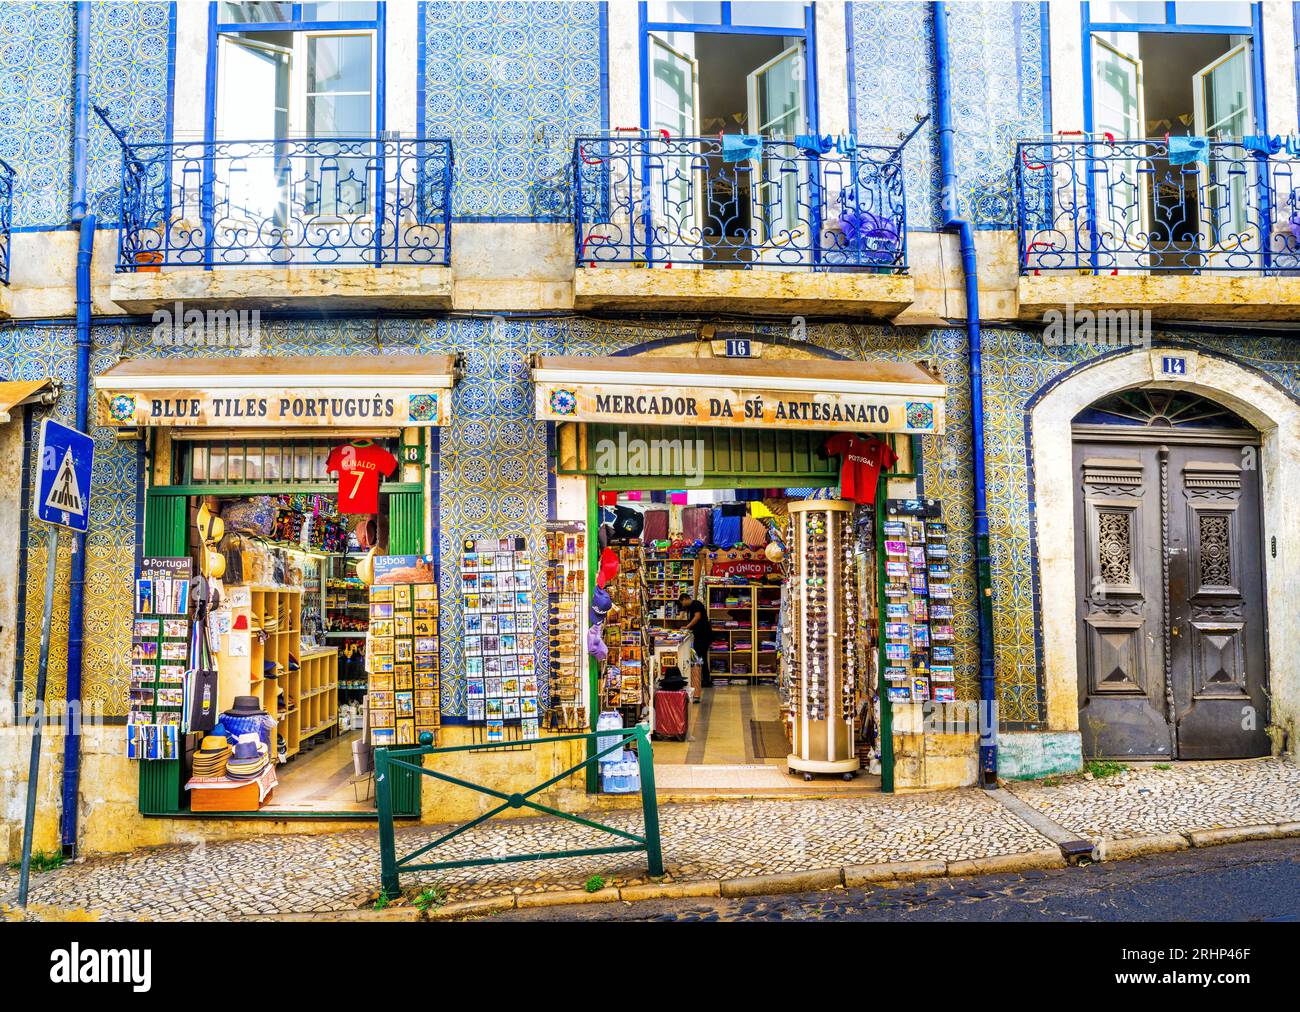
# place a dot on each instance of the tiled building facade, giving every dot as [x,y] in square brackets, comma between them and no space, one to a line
[512,84]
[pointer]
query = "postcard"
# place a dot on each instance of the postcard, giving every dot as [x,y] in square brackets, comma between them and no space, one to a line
[381,609]
[147,628]
[382,594]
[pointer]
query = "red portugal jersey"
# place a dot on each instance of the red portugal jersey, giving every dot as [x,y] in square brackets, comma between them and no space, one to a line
[861,461]
[359,468]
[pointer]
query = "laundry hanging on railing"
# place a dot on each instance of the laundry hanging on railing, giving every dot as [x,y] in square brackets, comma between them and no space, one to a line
[1185,150]
[741,147]
[1262,144]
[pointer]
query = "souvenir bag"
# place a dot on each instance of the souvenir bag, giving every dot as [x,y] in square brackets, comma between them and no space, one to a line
[232,548]
[250,516]
[202,677]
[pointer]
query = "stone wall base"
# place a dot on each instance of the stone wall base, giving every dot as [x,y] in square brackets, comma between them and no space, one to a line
[1026,755]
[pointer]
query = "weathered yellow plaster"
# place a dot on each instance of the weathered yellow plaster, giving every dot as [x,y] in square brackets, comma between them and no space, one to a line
[878,296]
[351,288]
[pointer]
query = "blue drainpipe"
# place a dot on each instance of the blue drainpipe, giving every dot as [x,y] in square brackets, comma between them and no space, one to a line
[85,223]
[953,222]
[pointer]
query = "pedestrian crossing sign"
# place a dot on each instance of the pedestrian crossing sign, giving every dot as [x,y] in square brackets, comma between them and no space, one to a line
[64,465]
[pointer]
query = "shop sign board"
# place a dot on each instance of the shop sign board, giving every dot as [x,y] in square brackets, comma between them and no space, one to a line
[260,407]
[772,409]
[391,569]
[747,569]
[63,488]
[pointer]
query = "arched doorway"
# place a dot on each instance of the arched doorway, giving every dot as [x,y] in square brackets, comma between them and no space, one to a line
[1172,659]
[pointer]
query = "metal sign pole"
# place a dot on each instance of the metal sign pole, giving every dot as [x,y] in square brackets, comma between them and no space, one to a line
[34,766]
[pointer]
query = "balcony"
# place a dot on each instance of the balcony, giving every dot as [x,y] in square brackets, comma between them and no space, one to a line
[1115,225]
[342,222]
[671,223]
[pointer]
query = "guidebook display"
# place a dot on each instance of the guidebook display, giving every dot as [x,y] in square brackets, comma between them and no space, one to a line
[918,642]
[499,642]
[566,567]
[403,659]
[160,651]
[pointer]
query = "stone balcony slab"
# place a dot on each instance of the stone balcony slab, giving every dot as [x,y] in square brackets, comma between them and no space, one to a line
[768,292]
[280,288]
[1206,297]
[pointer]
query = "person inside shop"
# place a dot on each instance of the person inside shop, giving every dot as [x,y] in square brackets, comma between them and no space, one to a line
[700,629]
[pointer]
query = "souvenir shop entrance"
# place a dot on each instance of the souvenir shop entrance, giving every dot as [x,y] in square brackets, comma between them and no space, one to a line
[249,688]
[736,597]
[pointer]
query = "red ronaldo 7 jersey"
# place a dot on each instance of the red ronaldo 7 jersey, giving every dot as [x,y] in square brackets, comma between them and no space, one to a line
[359,468]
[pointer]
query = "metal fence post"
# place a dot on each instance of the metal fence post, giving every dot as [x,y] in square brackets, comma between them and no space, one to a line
[388,879]
[649,800]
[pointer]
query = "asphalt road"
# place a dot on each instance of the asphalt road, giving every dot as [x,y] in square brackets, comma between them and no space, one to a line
[1258,881]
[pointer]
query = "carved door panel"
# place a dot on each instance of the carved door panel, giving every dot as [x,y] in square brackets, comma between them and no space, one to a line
[1216,633]
[1123,701]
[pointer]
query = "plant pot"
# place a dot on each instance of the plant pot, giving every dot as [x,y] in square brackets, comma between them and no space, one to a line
[148,262]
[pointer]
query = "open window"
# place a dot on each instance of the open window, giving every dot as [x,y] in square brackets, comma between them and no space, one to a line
[290,75]
[1169,184]
[715,73]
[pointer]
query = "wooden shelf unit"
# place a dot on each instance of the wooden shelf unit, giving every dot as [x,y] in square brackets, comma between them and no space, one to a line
[751,644]
[665,577]
[316,688]
[310,690]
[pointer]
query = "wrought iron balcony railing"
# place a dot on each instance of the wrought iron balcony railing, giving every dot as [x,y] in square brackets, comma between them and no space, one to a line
[676,201]
[7,176]
[297,202]
[1111,207]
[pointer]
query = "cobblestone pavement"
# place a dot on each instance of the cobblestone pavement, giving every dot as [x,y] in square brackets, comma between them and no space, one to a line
[709,840]
[1147,801]
[1258,881]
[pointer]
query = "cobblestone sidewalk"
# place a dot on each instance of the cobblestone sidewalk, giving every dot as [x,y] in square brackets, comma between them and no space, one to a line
[705,841]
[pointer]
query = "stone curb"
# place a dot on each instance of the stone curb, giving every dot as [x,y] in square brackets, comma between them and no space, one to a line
[563,897]
[1233,834]
[786,882]
[892,871]
[1122,849]
[1034,860]
[471,908]
[670,890]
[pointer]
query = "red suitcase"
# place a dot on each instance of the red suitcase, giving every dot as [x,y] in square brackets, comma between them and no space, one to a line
[672,714]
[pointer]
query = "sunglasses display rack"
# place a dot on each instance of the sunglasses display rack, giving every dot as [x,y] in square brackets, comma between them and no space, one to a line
[501,686]
[566,568]
[404,662]
[822,621]
[918,641]
[160,638]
